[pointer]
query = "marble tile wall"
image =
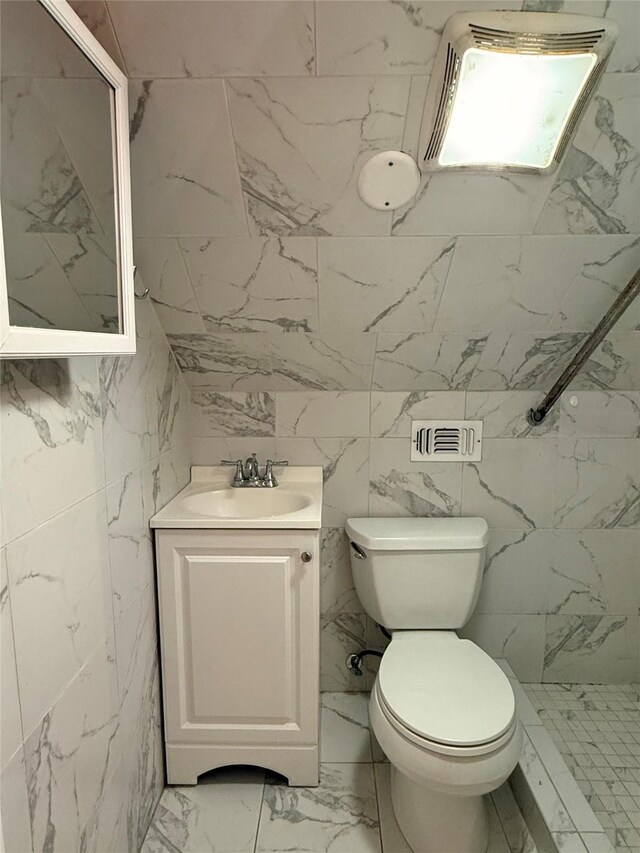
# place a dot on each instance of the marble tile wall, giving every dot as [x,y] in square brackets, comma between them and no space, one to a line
[90,447]
[312,328]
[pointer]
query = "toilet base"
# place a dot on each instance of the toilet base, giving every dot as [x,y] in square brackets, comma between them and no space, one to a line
[433,822]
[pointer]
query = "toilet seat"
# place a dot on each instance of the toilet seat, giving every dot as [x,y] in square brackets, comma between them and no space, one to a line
[444,693]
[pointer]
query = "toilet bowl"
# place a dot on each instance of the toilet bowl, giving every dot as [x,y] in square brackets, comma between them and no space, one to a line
[442,710]
[444,714]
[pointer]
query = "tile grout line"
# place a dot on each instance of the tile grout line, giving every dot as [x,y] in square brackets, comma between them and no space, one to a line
[264,785]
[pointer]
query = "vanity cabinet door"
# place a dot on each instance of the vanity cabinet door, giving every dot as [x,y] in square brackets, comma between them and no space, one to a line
[239,615]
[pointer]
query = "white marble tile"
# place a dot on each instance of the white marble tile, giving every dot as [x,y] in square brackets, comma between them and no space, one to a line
[14,800]
[591,648]
[221,812]
[209,451]
[515,829]
[161,264]
[216,414]
[330,361]
[61,607]
[251,284]
[215,39]
[549,803]
[595,572]
[597,842]
[140,731]
[393,411]
[111,831]
[337,593]
[517,572]
[610,261]
[523,361]
[455,204]
[70,755]
[507,283]
[175,470]
[497,838]
[167,398]
[346,472]
[341,634]
[490,490]
[322,413]
[597,483]
[393,841]
[402,487]
[518,638]
[626,52]
[179,185]
[577,807]
[360,37]
[224,362]
[600,414]
[301,144]
[163,478]
[596,190]
[339,815]
[130,552]
[52,433]
[370,284]
[141,399]
[344,728]
[10,720]
[504,414]
[568,842]
[425,361]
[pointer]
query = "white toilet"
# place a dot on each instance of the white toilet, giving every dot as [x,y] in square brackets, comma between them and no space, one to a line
[442,710]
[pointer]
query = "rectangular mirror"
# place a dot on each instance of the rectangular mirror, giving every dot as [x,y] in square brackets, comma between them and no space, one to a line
[67,278]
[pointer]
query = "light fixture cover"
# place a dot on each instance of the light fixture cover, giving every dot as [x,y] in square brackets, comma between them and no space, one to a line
[508,89]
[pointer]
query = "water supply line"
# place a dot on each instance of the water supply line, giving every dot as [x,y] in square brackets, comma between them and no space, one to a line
[354,661]
[536,416]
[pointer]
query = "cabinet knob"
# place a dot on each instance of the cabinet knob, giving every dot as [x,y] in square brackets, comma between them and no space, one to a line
[306,556]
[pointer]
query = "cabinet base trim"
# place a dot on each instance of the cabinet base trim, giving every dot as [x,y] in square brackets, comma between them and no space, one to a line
[186,762]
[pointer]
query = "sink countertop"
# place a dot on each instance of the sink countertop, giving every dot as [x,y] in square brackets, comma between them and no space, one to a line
[304,480]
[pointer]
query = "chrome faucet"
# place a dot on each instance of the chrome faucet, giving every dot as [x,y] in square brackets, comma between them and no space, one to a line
[247,474]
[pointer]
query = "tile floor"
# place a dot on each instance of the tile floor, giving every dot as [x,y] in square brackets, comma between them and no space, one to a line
[596,728]
[245,810]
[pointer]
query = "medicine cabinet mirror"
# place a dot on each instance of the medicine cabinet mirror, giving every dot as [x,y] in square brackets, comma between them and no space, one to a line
[66,273]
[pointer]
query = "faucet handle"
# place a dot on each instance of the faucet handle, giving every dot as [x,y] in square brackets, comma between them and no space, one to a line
[239,475]
[269,479]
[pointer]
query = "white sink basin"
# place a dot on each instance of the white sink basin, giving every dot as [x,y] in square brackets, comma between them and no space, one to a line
[246,503]
[209,502]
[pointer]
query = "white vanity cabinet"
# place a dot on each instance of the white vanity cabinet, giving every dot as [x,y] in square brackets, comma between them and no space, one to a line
[239,626]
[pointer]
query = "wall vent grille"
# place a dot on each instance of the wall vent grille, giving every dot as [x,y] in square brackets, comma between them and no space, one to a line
[446,441]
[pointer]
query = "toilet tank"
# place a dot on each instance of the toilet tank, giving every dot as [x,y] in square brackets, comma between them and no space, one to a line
[418,573]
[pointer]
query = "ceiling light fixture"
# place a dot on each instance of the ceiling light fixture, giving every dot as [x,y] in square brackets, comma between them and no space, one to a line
[508,89]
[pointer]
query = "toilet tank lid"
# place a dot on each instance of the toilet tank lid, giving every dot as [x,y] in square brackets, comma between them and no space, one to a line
[418,534]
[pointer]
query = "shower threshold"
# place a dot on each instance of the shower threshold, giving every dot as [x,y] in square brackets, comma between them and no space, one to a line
[556,811]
